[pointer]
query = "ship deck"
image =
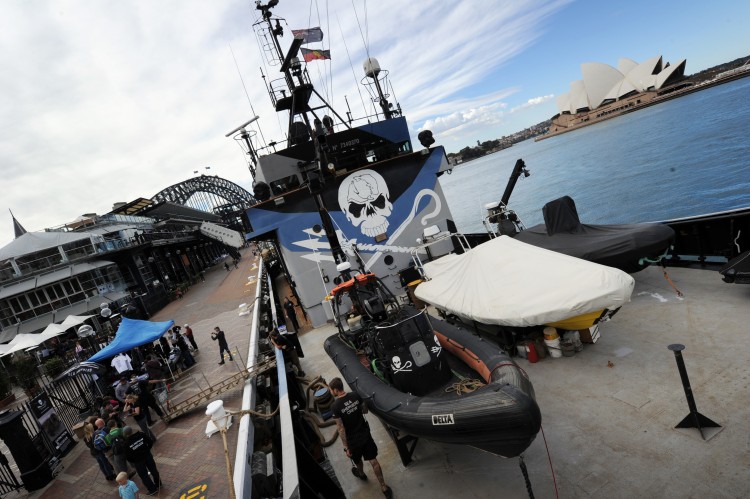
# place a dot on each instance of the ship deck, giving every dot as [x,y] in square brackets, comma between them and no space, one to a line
[609,412]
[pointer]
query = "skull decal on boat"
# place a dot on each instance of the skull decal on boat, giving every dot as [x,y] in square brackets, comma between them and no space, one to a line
[438,347]
[398,366]
[364,198]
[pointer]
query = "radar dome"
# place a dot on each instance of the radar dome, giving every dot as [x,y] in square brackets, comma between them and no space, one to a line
[372,67]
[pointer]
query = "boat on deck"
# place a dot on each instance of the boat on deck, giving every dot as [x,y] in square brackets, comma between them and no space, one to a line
[506,282]
[628,247]
[426,378]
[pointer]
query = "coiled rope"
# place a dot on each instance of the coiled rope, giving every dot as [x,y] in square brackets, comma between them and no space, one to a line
[464,386]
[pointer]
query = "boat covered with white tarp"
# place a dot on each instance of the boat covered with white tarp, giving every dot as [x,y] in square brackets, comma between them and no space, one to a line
[509,283]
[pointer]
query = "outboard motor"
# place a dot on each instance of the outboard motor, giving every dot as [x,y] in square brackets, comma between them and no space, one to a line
[375,308]
[506,221]
[411,356]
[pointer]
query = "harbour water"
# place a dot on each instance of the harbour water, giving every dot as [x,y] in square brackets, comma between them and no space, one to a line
[688,156]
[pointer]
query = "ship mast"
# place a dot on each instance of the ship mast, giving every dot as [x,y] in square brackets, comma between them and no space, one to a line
[296,97]
[297,103]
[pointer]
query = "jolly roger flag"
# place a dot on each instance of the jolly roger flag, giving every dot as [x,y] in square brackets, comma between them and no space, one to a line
[311,55]
[309,35]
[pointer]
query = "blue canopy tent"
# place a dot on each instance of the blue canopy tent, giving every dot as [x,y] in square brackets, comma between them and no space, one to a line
[130,334]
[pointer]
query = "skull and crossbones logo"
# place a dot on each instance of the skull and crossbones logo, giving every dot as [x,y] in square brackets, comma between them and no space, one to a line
[398,367]
[436,349]
[365,200]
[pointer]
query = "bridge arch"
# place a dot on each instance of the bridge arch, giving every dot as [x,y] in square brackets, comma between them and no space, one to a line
[212,194]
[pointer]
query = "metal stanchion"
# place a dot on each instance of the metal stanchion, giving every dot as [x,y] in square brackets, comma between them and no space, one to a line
[695,419]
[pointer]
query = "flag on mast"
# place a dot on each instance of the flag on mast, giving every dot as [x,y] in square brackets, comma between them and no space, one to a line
[309,35]
[311,55]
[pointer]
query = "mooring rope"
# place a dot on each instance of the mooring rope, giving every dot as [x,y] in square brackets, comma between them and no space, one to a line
[526,476]
[666,276]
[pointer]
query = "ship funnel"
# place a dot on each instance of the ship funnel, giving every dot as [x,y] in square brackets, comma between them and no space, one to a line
[372,67]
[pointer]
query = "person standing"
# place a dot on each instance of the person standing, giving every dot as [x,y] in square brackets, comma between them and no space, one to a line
[226,266]
[348,411]
[179,340]
[290,313]
[138,452]
[218,335]
[135,406]
[115,440]
[121,390]
[287,349]
[101,458]
[149,402]
[127,488]
[189,335]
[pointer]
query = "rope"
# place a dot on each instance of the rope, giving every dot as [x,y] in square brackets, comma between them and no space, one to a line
[526,476]
[315,425]
[464,386]
[666,276]
[549,458]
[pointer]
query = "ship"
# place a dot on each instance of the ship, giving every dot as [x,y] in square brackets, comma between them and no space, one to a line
[340,193]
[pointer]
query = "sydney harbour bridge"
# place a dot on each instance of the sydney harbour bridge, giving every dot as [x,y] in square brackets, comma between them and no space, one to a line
[211,194]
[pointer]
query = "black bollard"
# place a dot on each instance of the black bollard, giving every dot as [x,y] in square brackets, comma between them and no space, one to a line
[695,419]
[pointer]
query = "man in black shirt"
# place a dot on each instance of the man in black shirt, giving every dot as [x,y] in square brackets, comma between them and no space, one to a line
[218,334]
[138,453]
[287,348]
[348,411]
[291,313]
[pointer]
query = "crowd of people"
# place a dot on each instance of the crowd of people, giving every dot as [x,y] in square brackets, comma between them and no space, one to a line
[122,446]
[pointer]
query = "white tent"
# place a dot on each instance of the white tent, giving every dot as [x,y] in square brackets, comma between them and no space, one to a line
[74,320]
[25,341]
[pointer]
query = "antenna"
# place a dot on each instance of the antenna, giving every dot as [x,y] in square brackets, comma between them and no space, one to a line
[246,138]
[241,127]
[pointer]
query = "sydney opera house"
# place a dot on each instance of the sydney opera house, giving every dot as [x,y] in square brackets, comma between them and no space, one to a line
[605,91]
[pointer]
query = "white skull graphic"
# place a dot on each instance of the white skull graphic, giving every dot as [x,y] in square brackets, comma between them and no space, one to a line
[364,197]
[396,361]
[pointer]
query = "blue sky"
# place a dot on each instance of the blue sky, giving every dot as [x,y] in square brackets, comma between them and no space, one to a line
[106,101]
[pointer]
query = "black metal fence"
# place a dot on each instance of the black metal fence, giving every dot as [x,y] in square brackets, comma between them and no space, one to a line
[72,399]
[8,480]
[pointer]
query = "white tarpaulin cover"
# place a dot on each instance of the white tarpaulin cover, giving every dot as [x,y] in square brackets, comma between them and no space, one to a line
[507,282]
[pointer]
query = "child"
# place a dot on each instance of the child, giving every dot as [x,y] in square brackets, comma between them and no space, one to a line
[128,489]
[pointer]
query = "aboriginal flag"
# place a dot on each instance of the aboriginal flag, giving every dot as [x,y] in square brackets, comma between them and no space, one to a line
[311,55]
[309,35]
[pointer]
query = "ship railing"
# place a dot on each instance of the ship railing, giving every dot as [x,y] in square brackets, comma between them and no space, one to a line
[433,238]
[243,469]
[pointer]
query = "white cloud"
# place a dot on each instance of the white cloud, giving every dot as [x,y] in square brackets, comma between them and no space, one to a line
[106,102]
[532,103]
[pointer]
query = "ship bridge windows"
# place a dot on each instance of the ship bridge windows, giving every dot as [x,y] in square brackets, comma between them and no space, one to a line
[286,184]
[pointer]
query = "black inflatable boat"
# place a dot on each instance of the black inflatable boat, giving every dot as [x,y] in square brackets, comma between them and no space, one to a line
[427,378]
[630,247]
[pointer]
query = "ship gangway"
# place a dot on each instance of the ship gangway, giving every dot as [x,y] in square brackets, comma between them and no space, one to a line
[174,409]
